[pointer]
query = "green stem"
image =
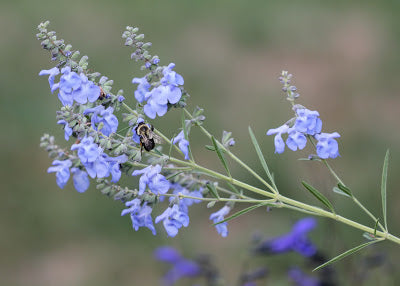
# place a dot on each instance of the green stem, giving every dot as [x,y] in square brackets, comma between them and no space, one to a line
[235,158]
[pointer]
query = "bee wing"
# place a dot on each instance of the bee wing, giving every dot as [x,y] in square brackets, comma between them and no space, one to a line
[157,139]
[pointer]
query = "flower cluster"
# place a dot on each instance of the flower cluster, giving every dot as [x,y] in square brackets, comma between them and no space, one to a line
[306,123]
[158,98]
[72,86]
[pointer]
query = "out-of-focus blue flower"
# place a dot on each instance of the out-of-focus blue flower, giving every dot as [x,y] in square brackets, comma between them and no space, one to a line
[295,140]
[51,73]
[152,178]
[279,143]
[105,116]
[222,228]
[327,146]
[173,219]
[182,143]
[62,171]
[307,121]
[67,129]
[301,279]
[81,180]
[140,215]
[142,88]
[167,254]
[121,98]
[181,267]
[295,240]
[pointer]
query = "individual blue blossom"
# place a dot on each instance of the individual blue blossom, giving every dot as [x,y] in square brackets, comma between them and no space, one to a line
[87,91]
[142,88]
[140,215]
[156,61]
[62,171]
[152,178]
[327,146]
[81,180]
[173,219]
[307,121]
[105,117]
[92,157]
[67,129]
[184,203]
[157,102]
[295,240]
[295,139]
[69,82]
[279,143]
[301,279]
[114,166]
[181,267]
[121,98]
[171,81]
[88,151]
[182,143]
[51,73]
[222,228]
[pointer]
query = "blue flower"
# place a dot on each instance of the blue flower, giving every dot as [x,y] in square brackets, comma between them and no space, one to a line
[51,73]
[87,91]
[81,180]
[157,103]
[114,166]
[67,129]
[171,81]
[173,219]
[104,116]
[142,88]
[69,82]
[88,152]
[182,143]
[327,146]
[140,215]
[184,203]
[279,143]
[307,121]
[62,171]
[167,254]
[222,228]
[181,267]
[301,279]
[295,240]
[295,139]
[152,178]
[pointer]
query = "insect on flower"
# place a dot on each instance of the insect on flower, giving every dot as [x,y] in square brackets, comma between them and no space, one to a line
[148,138]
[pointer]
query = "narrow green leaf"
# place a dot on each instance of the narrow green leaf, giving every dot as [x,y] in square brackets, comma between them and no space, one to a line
[319,196]
[344,254]
[239,213]
[220,155]
[261,156]
[212,189]
[376,226]
[383,187]
[345,189]
[340,192]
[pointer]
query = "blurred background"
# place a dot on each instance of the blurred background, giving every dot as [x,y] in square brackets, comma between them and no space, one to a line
[345,60]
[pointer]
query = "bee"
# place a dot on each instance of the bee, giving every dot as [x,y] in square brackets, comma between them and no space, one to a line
[148,138]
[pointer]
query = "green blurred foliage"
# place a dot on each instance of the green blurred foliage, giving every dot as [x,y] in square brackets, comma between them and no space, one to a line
[345,61]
